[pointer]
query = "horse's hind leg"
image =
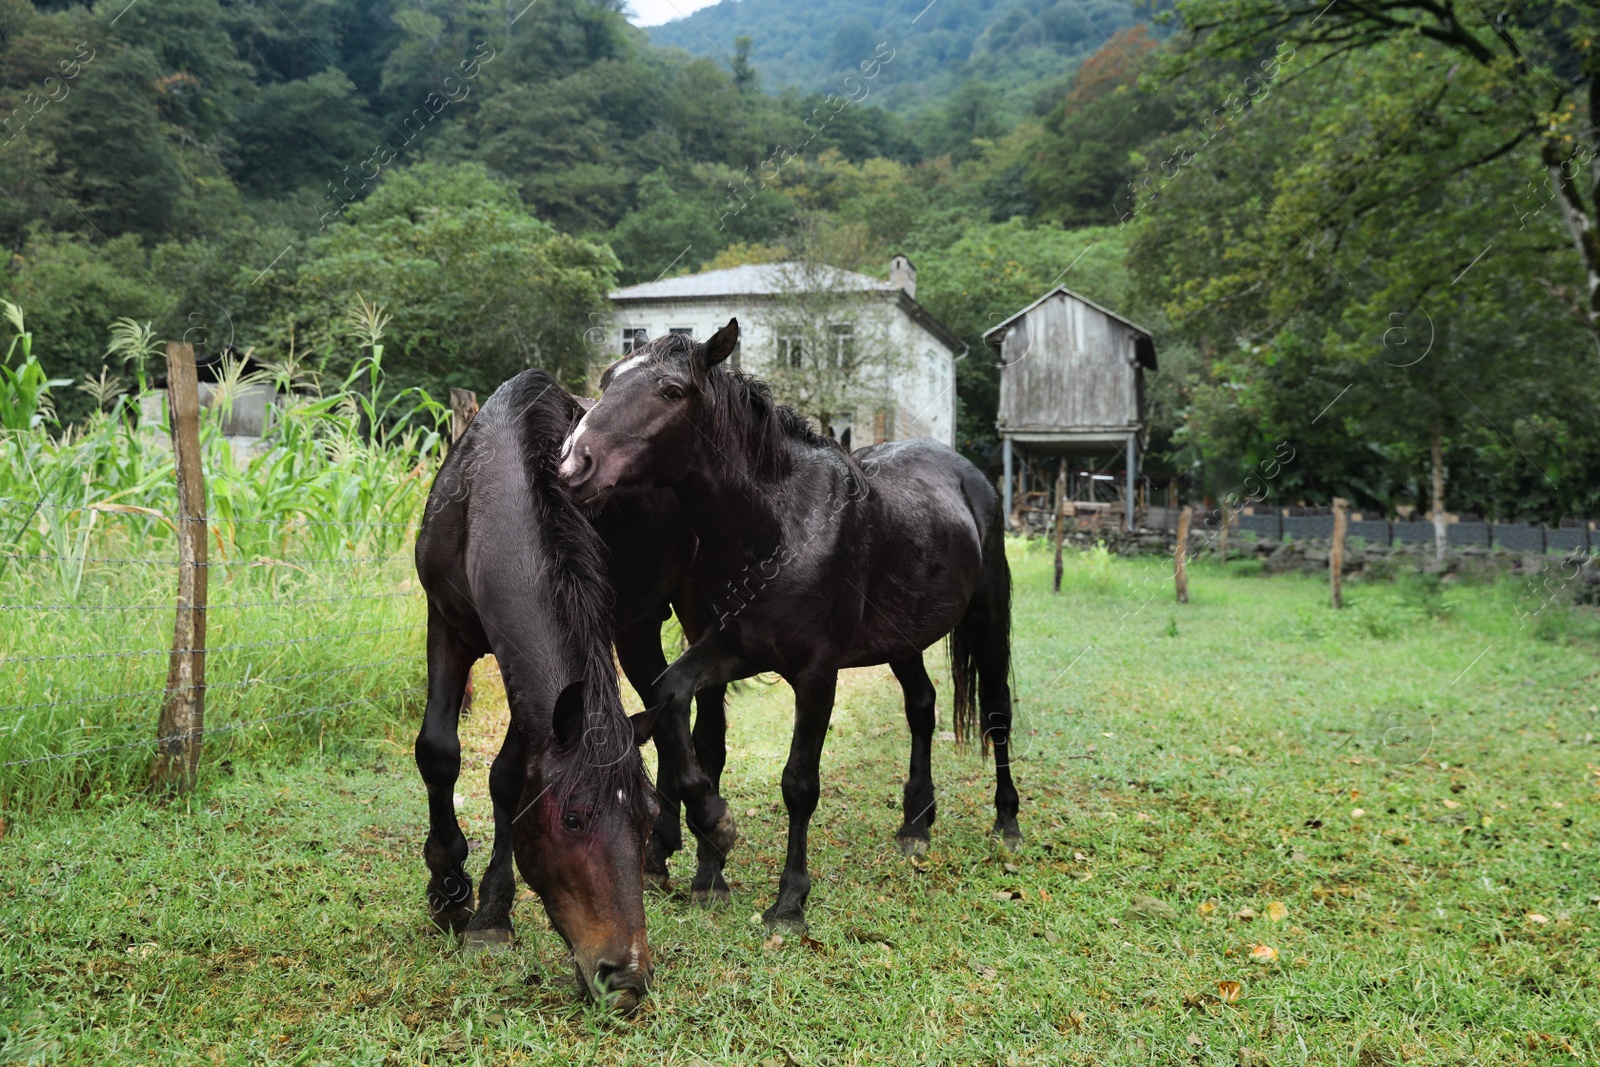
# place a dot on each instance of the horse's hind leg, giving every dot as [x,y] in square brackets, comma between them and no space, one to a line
[986,629]
[920,806]
[639,652]
[711,749]
[438,753]
[490,928]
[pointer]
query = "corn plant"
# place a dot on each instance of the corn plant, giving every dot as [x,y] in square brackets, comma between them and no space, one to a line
[25,401]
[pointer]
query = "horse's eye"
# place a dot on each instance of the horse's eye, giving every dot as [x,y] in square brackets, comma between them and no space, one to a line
[672,392]
[571,822]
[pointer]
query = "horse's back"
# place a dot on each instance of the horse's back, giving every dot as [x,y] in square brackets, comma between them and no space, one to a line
[925,478]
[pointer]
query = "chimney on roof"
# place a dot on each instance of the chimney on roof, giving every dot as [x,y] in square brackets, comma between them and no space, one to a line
[903,274]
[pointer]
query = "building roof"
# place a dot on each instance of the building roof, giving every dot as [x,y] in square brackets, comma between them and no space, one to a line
[776,279]
[754,279]
[1144,345]
[993,335]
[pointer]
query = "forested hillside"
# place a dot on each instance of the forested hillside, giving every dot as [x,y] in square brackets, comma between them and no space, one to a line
[1364,232]
[1004,52]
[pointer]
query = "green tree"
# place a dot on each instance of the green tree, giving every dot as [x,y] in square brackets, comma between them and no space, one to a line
[479,287]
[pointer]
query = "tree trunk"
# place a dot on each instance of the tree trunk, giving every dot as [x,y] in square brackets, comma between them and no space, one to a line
[1438,488]
[1564,177]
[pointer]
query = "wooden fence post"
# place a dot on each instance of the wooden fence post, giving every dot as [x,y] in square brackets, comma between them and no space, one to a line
[463,406]
[1180,575]
[1336,553]
[1222,538]
[183,709]
[1061,517]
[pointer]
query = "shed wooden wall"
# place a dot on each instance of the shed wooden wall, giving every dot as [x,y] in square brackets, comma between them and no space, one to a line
[1068,366]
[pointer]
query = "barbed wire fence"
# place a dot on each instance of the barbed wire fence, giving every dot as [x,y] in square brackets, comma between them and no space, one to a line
[304,638]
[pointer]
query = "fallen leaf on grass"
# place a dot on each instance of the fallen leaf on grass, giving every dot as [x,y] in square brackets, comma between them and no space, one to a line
[1277,911]
[985,970]
[1229,992]
[775,941]
[813,944]
[1194,1040]
[1535,917]
[1356,813]
[1075,1019]
[1207,909]
[1245,914]
[1263,953]
[1009,894]
[1080,857]
[1044,896]
[1452,804]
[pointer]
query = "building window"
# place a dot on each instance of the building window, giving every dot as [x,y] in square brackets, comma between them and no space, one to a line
[843,337]
[791,353]
[632,338]
[682,331]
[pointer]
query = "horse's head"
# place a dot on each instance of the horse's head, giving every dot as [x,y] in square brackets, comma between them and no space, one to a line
[646,429]
[579,833]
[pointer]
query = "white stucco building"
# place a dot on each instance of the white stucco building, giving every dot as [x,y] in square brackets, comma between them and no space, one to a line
[824,338]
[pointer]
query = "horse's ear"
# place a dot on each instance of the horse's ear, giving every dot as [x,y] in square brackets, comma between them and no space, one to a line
[644,724]
[722,344]
[567,720]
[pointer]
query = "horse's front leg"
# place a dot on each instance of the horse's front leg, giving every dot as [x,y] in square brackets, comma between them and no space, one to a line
[438,752]
[813,708]
[490,928]
[707,664]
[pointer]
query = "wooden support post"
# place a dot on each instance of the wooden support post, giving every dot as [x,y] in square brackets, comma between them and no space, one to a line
[463,406]
[1005,478]
[1061,517]
[1180,556]
[1336,552]
[179,733]
[1222,536]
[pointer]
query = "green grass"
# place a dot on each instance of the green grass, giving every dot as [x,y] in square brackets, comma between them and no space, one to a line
[1212,756]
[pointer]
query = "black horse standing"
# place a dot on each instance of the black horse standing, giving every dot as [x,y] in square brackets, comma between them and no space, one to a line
[812,560]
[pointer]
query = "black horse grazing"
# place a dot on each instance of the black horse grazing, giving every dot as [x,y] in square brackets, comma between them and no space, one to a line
[512,567]
[812,560]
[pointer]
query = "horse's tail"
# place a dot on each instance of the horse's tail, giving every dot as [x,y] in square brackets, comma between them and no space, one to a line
[980,645]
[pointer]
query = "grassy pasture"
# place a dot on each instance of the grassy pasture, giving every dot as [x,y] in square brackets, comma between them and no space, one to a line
[1406,796]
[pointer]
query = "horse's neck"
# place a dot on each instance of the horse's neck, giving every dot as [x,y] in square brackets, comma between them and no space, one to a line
[735,512]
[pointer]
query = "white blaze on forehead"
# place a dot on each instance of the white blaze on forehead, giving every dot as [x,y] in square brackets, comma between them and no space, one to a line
[623,368]
[571,442]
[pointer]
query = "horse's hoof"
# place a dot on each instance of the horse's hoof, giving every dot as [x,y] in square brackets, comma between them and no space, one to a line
[715,897]
[791,925]
[658,881]
[1011,838]
[911,846]
[493,942]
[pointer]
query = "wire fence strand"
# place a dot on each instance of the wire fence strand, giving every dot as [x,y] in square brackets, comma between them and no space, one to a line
[211,607]
[208,731]
[209,686]
[135,652]
[48,505]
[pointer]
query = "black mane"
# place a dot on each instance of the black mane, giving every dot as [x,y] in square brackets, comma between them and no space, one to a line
[577,567]
[743,420]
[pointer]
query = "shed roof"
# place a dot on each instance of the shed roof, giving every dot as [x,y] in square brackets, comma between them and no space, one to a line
[995,334]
